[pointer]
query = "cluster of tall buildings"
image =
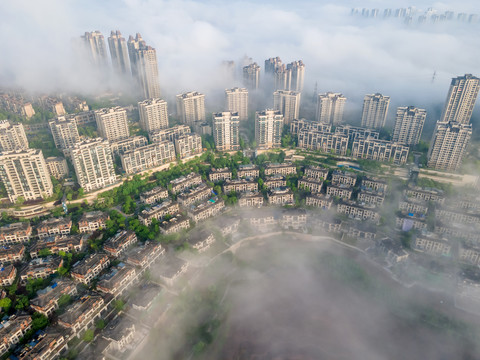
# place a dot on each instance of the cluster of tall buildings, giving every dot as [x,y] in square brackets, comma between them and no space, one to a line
[453,131]
[133,57]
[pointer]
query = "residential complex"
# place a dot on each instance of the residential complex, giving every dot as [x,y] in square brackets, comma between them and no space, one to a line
[409,125]
[65,132]
[236,101]
[112,123]
[226,131]
[288,103]
[153,114]
[268,129]
[323,141]
[251,76]
[93,163]
[143,61]
[449,145]
[25,175]
[119,52]
[330,108]
[57,167]
[461,99]
[147,157]
[191,108]
[380,150]
[375,109]
[12,136]
[94,43]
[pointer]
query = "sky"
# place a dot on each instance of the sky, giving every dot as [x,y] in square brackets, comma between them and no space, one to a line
[342,53]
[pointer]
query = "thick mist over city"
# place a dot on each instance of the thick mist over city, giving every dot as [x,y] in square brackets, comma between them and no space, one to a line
[343,53]
[239,180]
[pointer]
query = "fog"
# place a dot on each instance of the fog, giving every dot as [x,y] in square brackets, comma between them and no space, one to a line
[291,298]
[343,53]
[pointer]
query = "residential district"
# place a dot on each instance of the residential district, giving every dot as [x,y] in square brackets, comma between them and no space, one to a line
[109,211]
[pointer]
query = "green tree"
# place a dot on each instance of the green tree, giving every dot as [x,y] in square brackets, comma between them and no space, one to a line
[119,305]
[39,321]
[22,302]
[88,336]
[12,289]
[64,300]
[5,304]
[100,324]
[44,252]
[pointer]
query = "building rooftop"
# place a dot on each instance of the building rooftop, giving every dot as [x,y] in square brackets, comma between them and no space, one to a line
[54,291]
[83,266]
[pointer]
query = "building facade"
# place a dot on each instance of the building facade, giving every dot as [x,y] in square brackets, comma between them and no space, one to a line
[226,131]
[112,123]
[119,52]
[288,103]
[153,114]
[57,167]
[330,108]
[24,174]
[251,76]
[268,129]
[461,99]
[449,145]
[409,125]
[236,101]
[191,108]
[12,136]
[375,109]
[93,163]
[148,156]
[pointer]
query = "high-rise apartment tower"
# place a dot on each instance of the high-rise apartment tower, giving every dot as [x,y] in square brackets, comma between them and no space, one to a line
[409,125]
[461,99]
[153,114]
[226,131]
[236,100]
[330,108]
[375,109]
[288,103]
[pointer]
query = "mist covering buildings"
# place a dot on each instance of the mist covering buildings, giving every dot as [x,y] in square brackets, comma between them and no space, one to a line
[186,64]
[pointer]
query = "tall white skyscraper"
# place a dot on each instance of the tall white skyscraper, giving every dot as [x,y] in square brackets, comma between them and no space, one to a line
[143,60]
[96,49]
[461,99]
[409,125]
[24,173]
[12,136]
[119,52]
[112,123]
[272,64]
[134,44]
[288,103]
[448,146]
[251,76]
[236,100]
[191,107]
[148,72]
[65,132]
[375,109]
[93,163]
[268,129]
[330,108]
[297,75]
[153,114]
[226,131]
